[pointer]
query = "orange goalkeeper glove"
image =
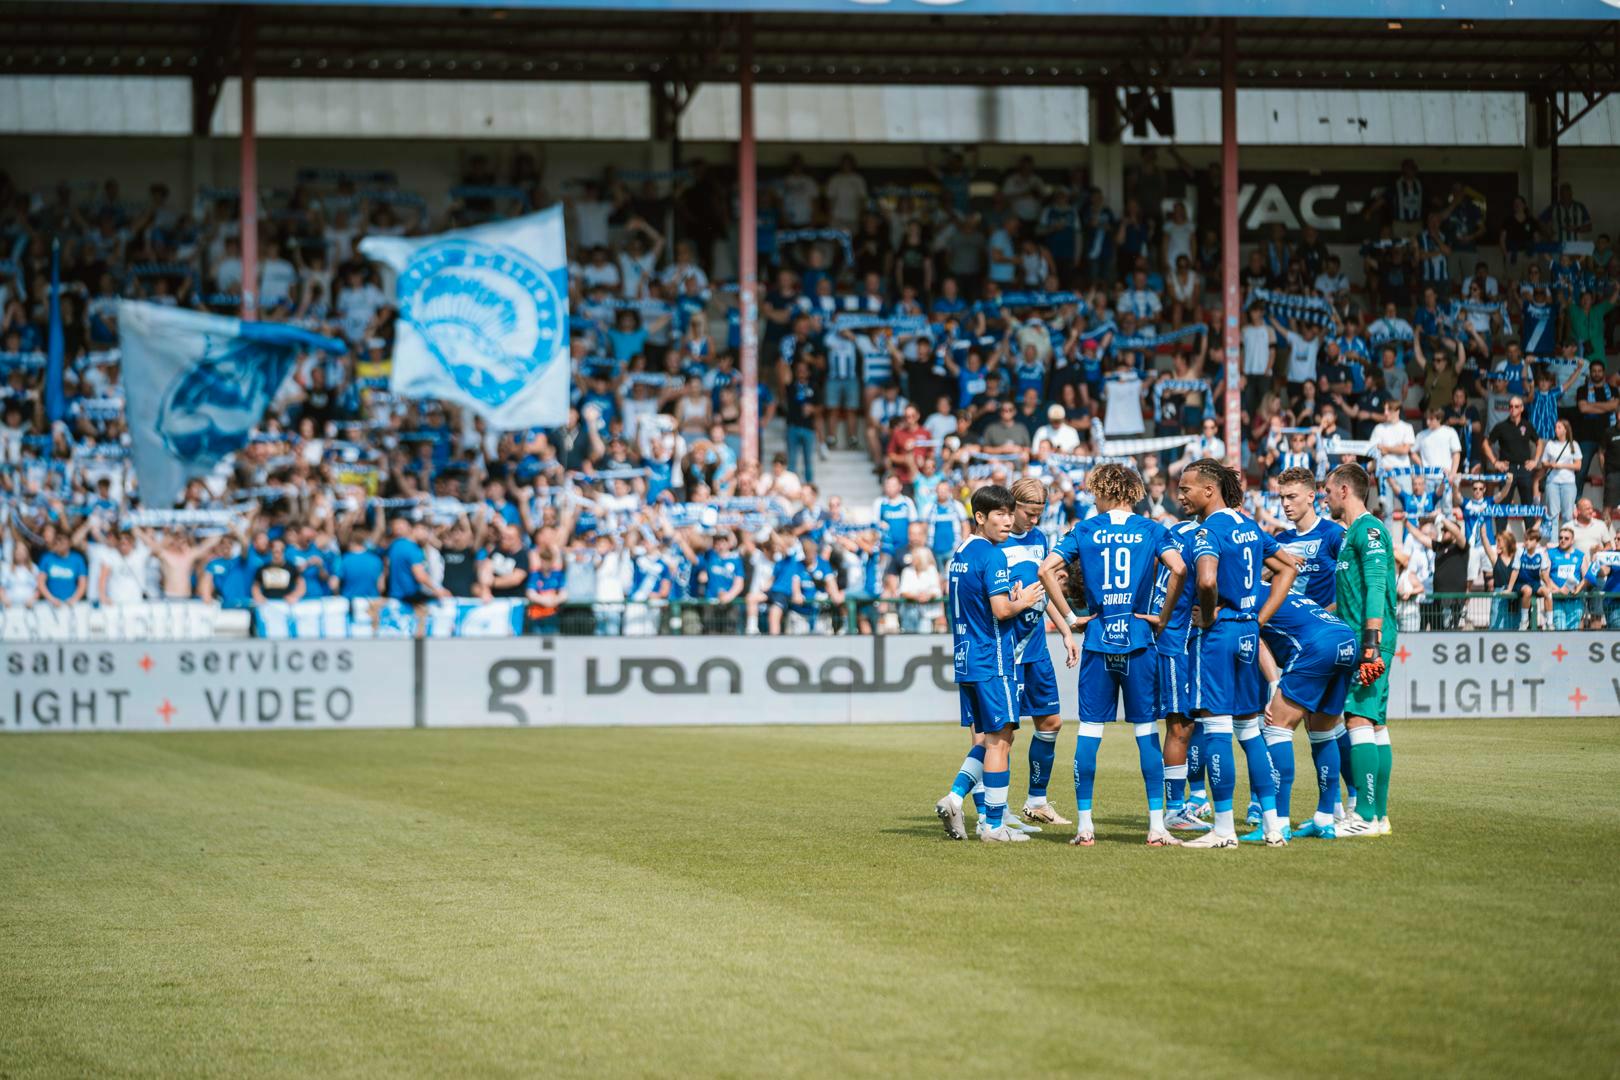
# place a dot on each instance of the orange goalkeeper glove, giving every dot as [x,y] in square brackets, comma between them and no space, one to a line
[1372,661]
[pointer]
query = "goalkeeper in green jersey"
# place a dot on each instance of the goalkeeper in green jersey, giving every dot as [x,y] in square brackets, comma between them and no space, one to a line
[1366,587]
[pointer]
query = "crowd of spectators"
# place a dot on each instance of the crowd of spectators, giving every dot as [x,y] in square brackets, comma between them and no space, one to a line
[959,328]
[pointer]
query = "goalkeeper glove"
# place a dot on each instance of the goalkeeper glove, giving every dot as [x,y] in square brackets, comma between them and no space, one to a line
[1372,661]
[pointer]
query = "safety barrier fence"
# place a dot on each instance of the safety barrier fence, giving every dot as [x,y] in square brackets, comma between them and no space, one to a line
[337,618]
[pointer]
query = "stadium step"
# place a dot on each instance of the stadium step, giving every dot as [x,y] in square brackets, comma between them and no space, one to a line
[846,473]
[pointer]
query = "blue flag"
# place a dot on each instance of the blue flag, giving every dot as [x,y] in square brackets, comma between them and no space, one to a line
[55,362]
[483,318]
[197,385]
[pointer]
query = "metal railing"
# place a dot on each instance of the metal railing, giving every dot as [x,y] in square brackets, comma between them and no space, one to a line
[856,615]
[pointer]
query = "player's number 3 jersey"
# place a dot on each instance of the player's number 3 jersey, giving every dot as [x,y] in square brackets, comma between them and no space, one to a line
[1118,553]
[982,644]
[1240,548]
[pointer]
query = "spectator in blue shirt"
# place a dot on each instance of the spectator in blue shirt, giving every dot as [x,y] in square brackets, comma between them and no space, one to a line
[64,576]
[408,579]
[360,571]
[547,593]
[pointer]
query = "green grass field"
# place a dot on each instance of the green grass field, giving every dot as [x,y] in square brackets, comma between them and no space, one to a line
[781,901]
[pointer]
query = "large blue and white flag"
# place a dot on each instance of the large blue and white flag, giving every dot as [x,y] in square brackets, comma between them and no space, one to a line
[483,318]
[197,384]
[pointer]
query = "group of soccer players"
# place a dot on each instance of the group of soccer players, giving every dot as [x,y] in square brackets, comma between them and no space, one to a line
[1187,625]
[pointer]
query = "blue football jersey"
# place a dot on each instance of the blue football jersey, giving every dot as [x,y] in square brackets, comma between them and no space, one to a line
[894,518]
[1530,565]
[1173,641]
[1566,566]
[1240,548]
[983,645]
[1118,553]
[1301,627]
[1318,553]
[1025,553]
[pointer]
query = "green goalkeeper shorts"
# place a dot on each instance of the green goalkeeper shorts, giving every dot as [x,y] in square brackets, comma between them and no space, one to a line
[1370,702]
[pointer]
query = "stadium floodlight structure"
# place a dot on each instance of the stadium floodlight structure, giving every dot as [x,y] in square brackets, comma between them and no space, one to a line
[1564,55]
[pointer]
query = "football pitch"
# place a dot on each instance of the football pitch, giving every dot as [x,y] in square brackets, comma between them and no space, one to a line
[781,901]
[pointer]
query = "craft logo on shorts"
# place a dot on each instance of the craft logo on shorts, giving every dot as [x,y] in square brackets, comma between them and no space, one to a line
[489,314]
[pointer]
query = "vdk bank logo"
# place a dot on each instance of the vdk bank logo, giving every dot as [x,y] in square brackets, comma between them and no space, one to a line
[209,407]
[490,315]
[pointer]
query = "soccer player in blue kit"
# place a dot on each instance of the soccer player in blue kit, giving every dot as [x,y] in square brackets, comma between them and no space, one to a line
[1118,553]
[1026,548]
[1316,652]
[1315,542]
[1173,694]
[1231,554]
[984,604]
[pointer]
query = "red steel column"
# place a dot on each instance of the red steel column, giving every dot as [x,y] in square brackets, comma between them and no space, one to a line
[1231,290]
[747,246]
[249,186]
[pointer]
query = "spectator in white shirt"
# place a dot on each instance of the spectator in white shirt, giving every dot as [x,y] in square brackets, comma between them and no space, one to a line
[638,262]
[1063,438]
[1024,190]
[941,422]
[277,277]
[1331,283]
[1392,441]
[591,213]
[19,582]
[1141,301]
[846,196]
[799,194]
[1302,352]
[228,269]
[1438,446]
[125,570]
[358,302]
[599,272]
[1207,444]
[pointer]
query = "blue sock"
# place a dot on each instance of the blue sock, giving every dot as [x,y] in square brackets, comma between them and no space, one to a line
[1042,749]
[1259,763]
[1197,759]
[1279,742]
[1344,756]
[1175,786]
[1325,757]
[1085,769]
[995,797]
[978,799]
[1221,765]
[971,772]
[1152,761]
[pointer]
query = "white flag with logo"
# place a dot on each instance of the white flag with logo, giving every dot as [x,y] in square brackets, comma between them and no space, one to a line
[483,318]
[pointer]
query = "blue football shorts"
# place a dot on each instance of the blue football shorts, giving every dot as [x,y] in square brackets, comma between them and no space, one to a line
[989,705]
[1038,689]
[1107,678]
[1226,678]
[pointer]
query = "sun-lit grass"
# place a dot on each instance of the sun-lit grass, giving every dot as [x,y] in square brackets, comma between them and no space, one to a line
[780,901]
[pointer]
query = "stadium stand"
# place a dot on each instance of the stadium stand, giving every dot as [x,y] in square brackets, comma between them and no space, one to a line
[954,329]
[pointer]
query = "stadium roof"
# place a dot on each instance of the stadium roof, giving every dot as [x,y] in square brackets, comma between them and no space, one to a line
[913,42]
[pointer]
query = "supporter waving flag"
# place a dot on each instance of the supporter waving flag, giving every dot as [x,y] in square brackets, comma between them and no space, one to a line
[197,385]
[483,318]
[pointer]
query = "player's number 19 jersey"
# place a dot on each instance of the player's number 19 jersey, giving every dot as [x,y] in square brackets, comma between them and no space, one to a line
[1118,553]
